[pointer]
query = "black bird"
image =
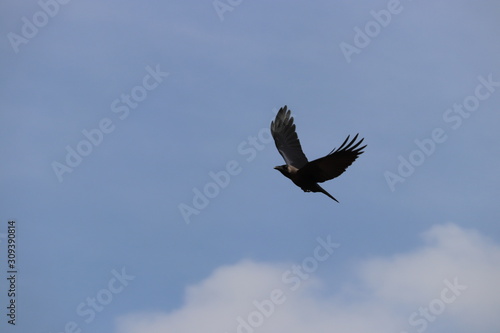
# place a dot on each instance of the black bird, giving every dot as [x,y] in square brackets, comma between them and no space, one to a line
[303,173]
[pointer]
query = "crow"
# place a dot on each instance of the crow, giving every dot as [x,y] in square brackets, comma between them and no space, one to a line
[303,173]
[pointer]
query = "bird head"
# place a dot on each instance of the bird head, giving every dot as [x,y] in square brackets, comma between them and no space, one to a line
[283,169]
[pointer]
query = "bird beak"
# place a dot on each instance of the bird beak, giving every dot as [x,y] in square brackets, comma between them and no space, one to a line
[275,168]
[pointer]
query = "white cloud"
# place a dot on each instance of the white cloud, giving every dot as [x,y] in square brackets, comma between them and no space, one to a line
[446,285]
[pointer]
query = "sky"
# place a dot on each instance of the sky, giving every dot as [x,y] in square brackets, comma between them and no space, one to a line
[137,184]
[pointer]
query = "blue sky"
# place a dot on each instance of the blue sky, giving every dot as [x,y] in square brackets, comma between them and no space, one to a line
[115,114]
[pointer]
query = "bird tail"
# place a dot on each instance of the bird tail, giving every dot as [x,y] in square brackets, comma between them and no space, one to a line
[322,190]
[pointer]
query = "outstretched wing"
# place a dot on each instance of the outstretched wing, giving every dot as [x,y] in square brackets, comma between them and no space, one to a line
[286,139]
[333,164]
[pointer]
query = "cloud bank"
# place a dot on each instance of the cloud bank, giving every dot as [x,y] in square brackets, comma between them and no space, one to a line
[448,284]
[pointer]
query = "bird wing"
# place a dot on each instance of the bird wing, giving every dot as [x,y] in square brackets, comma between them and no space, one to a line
[333,164]
[286,139]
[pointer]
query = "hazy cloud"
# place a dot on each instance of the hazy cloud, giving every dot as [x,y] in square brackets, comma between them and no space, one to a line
[446,285]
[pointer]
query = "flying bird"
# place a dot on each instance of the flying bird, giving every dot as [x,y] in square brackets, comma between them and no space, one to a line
[303,173]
